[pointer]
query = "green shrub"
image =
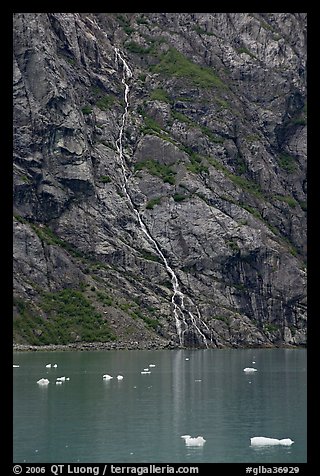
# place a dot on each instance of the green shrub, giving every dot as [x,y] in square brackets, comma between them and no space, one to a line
[287,163]
[196,165]
[124,23]
[134,47]
[153,202]
[105,102]
[86,110]
[150,256]
[246,51]
[69,314]
[104,298]
[159,170]
[47,235]
[105,179]
[151,126]
[160,94]
[173,63]
[287,199]
[150,322]
[178,197]
[269,327]
[142,20]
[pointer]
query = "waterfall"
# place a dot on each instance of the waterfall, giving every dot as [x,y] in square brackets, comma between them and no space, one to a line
[178,299]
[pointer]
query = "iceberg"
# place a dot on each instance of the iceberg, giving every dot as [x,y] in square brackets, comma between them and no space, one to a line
[107,377]
[190,441]
[263,441]
[43,381]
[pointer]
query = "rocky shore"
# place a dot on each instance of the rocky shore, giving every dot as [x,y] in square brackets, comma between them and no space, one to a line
[96,346]
[129,345]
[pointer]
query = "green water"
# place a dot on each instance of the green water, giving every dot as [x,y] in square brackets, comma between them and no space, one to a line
[142,417]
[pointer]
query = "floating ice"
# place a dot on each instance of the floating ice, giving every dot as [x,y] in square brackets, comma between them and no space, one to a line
[48,366]
[250,369]
[146,370]
[16,365]
[43,381]
[187,358]
[62,379]
[263,441]
[143,372]
[58,382]
[107,377]
[119,377]
[151,365]
[190,441]
[55,366]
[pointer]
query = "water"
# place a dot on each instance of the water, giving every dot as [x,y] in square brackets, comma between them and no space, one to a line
[142,417]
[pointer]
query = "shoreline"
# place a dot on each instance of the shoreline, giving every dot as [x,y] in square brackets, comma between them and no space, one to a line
[134,345]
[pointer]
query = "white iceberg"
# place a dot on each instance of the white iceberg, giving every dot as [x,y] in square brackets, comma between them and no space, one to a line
[263,441]
[48,366]
[62,379]
[43,381]
[144,372]
[107,377]
[16,365]
[151,365]
[250,369]
[119,377]
[190,441]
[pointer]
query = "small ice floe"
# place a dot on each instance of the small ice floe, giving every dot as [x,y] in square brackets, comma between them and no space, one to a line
[151,365]
[67,378]
[190,441]
[61,379]
[187,358]
[43,381]
[48,366]
[107,377]
[263,441]
[253,361]
[120,377]
[144,372]
[55,366]
[58,382]
[15,366]
[198,380]
[250,369]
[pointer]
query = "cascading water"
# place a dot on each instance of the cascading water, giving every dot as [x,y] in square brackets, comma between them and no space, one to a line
[178,298]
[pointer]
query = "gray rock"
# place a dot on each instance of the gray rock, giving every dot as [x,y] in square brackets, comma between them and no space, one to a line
[212,183]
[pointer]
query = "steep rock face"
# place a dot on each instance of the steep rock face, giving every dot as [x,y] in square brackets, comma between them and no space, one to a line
[204,174]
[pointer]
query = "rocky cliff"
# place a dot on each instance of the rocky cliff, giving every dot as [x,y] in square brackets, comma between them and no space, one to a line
[160,178]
